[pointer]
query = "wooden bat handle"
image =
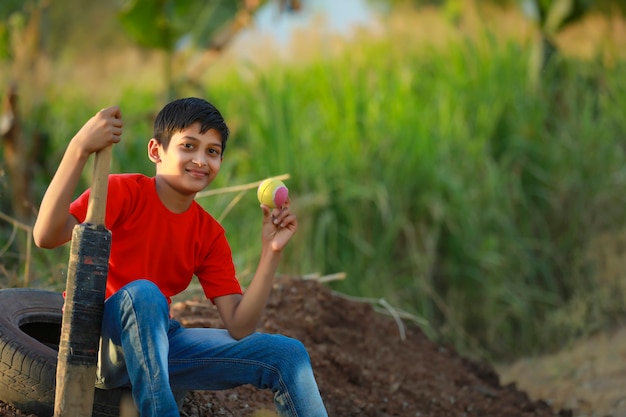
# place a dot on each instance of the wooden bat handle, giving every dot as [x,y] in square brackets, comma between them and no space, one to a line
[97,205]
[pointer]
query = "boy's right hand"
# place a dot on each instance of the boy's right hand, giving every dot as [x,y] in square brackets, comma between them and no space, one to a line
[102,130]
[54,224]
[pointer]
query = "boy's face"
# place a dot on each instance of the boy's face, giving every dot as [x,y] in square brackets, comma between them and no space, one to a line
[191,161]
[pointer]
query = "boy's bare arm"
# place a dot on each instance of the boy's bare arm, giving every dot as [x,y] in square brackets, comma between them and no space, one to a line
[241,314]
[54,223]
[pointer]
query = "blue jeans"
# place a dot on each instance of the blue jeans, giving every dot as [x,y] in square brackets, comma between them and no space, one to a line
[143,347]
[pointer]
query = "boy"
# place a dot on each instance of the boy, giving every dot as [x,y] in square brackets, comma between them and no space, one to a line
[160,238]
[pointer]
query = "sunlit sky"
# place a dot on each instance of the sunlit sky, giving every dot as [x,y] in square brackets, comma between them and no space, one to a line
[340,17]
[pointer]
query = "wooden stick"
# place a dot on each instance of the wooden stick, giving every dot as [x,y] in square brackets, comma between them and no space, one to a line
[84,303]
[96,209]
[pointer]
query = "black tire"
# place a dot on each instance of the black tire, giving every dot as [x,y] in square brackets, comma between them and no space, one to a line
[30,329]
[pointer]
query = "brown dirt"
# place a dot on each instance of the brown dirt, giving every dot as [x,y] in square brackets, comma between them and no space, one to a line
[362,365]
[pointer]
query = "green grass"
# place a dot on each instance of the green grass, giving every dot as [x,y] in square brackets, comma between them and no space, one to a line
[440,180]
[434,177]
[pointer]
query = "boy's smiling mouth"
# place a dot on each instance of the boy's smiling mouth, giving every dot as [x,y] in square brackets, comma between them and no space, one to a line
[197,173]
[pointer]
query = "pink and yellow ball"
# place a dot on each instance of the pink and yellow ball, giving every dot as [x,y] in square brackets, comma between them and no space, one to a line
[272,193]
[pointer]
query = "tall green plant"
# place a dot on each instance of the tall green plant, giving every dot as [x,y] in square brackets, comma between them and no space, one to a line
[438,179]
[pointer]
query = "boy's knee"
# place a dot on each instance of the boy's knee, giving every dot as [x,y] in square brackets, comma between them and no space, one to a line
[141,286]
[292,349]
[145,293]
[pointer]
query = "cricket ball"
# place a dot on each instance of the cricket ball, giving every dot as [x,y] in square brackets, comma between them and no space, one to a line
[272,193]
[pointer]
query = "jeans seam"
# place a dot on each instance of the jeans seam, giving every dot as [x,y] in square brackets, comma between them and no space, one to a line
[147,358]
[281,382]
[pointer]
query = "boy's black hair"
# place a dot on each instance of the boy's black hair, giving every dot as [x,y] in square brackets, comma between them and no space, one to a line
[182,113]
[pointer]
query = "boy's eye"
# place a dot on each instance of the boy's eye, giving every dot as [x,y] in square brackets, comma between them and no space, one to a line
[187,145]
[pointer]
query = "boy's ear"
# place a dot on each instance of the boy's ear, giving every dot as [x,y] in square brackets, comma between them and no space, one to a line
[153,151]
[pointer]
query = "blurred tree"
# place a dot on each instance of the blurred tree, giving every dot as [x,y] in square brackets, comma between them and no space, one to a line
[167,24]
[21,146]
[550,17]
[20,44]
[20,34]
[9,10]
[171,26]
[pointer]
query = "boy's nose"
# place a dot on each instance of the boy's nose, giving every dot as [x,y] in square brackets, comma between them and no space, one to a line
[199,162]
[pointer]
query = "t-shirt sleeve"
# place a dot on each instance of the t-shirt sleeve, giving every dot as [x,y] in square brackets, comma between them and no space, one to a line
[78,208]
[119,197]
[217,272]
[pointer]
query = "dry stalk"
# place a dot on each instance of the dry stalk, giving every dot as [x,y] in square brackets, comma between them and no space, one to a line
[398,315]
[238,188]
[29,243]
[231,205]
[338,276]
[10,241]
[395,316]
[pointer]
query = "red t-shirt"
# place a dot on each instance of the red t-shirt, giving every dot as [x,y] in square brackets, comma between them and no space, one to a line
[150,242]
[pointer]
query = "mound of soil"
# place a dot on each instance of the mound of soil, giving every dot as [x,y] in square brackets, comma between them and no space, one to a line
[365,364]
[362,364]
